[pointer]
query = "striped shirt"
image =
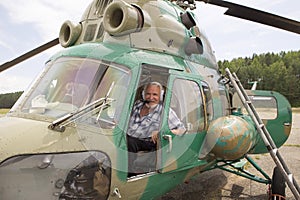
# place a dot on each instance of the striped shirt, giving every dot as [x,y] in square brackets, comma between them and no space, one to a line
[142,127]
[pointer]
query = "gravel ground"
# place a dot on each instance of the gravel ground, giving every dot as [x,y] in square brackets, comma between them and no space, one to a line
[217,184]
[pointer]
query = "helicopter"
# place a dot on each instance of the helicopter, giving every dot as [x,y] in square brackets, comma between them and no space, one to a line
[65,138]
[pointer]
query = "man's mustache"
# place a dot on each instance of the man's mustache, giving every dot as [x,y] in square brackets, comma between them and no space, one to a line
[148,101]
[148,105]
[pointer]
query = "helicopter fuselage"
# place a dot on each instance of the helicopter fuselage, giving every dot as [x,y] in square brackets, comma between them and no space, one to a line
[66,135]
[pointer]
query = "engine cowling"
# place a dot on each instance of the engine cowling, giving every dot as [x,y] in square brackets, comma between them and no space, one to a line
[122,18]
[69,33]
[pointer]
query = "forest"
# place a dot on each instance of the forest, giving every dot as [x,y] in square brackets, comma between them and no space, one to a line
[8,100]
[275,72]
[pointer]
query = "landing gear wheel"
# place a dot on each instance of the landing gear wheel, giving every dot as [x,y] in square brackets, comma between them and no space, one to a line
[278,185]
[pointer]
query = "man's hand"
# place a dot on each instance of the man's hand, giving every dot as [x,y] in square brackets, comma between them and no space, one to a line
[179,131]
[154,136]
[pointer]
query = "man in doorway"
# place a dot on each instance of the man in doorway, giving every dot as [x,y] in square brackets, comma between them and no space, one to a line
[145,120]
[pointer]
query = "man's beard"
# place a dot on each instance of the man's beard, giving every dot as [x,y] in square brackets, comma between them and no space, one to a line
[150,106]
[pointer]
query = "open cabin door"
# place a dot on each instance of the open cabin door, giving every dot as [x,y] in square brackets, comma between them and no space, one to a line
[184,96]
[275,112]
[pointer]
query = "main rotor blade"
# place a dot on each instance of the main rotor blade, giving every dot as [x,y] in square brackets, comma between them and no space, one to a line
[29,54]
[259,16]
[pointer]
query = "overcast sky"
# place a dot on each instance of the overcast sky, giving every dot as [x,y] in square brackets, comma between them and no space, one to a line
[28,24]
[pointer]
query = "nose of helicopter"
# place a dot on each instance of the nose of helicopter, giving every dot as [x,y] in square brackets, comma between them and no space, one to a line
[27,136]
[20,135]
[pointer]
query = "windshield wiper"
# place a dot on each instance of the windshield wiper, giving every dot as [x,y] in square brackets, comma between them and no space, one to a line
[101,103]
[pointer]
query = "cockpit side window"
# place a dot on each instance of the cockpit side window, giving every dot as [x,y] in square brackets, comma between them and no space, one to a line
[187,103]
[152,74]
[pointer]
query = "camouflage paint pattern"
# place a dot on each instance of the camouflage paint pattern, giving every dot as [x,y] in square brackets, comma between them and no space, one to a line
[232,136]
[156,43]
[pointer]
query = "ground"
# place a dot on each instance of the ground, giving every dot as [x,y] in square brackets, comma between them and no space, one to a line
[220,185]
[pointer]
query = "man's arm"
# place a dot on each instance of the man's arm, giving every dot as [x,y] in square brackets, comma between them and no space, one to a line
[175,124]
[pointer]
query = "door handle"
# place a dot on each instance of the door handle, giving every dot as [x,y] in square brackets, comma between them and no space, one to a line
[169,138]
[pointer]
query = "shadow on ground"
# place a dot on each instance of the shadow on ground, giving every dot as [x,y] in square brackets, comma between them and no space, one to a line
[211,185]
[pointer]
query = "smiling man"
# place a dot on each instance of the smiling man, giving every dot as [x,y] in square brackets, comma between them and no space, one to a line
[144,122]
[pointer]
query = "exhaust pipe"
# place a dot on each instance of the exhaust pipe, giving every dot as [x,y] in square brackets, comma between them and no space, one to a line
[187,20]
[69,33]
[194,46]
[121,18]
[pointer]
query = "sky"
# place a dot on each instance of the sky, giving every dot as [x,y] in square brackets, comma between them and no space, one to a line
[27,24]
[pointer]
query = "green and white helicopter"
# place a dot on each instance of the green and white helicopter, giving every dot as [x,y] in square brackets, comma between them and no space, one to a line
[65,138]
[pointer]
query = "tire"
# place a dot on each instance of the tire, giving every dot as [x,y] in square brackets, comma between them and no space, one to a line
[278,184]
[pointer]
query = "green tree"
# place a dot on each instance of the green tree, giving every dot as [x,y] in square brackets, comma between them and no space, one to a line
[279,72]
[9,99]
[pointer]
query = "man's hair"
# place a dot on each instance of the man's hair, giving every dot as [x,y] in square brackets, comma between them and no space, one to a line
[153,83]
[161,89]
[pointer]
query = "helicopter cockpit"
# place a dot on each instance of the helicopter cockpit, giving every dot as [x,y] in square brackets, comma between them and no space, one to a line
[70,84]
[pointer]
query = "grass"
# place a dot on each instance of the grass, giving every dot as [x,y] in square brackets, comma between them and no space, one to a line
[296,110]
[292,145]
[3,110]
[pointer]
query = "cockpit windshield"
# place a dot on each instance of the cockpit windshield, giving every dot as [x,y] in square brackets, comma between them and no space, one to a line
[69,84]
